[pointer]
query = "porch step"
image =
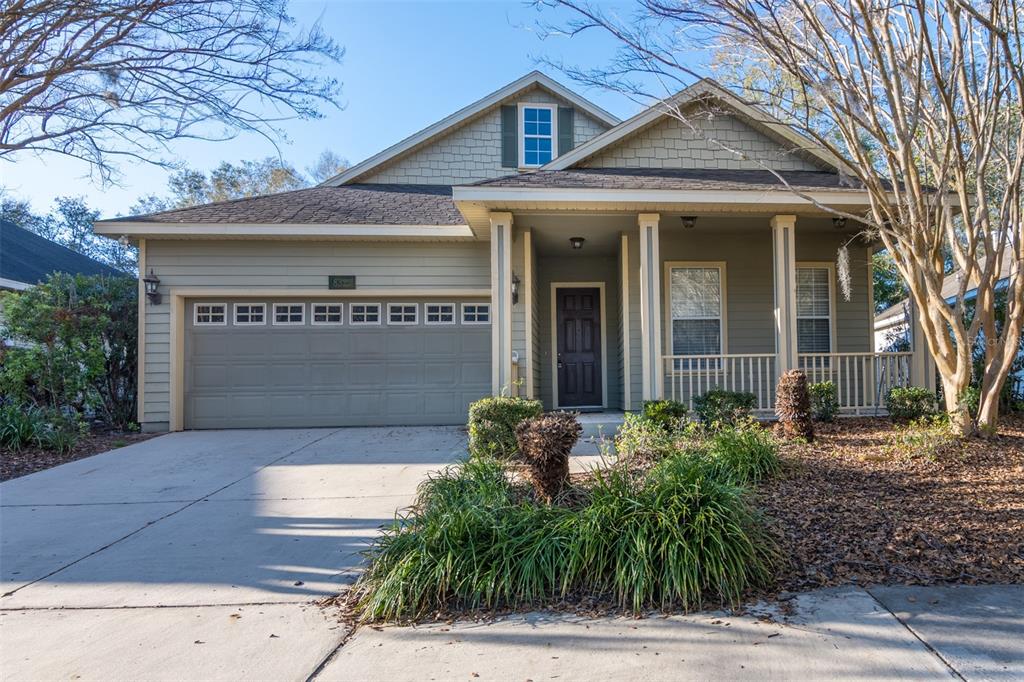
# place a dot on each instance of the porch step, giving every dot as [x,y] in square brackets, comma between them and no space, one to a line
[596,425]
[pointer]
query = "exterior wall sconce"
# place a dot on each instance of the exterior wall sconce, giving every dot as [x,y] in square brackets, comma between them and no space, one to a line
[152,282]
[515,288]
[689,222]
[576,242]
[839,222]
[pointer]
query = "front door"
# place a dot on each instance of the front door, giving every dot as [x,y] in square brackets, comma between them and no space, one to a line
[578,314]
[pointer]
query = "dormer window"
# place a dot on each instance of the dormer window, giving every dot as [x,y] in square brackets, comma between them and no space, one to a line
[537,133]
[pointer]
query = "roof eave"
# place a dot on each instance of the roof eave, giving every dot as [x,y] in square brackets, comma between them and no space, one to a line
[116,229]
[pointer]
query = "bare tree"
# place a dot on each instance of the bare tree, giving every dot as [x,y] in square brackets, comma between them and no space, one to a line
[922,100]
[102,79]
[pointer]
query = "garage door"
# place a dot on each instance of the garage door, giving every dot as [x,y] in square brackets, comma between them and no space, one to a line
[292,363]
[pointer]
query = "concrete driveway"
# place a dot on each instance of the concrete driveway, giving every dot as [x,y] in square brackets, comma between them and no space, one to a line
[196,555]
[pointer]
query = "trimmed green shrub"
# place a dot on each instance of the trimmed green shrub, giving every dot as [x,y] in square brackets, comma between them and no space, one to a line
[723,407]
[824,401]
[910,402]
[669,414]
[544,444]
[744,454]
[493,422]
[793,405]
[641,442]
[678,535]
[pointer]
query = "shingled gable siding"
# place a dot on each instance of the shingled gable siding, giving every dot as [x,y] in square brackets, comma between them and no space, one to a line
[672,144]
[290,265]
[473,151]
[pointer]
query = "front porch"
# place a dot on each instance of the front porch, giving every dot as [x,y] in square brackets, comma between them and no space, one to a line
[677,304]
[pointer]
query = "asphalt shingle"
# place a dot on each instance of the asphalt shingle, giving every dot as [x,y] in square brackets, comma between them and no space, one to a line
[671,179]
[28,258]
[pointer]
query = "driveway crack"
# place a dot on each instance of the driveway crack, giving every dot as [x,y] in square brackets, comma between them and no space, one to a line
[953,671]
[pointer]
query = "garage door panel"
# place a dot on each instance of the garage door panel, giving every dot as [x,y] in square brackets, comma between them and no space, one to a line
[338,375]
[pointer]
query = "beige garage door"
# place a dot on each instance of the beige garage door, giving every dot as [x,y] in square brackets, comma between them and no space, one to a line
[293,363]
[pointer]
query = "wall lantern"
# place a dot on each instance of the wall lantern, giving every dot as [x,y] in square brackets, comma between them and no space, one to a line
[515,288]
[576,242]
[152,282]
[839,222]
[689,221]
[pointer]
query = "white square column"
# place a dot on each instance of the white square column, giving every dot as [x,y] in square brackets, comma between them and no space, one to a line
[501,302]
[784,276]
[650,306]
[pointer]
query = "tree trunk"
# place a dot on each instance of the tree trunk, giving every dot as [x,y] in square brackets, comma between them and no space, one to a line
[959,416]
[988,413]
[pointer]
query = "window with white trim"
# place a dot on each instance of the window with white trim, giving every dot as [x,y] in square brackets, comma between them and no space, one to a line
[211,314]
[813,309]
[289,313]
[403,313]
[695,305]
[250,313]
[327,313]
[537,133]
[476,313]
[440,313]
[364,313]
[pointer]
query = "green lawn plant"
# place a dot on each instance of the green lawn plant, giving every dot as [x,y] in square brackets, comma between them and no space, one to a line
[910,402]
[493,422]
[669,414]
[720,407]
[824,401]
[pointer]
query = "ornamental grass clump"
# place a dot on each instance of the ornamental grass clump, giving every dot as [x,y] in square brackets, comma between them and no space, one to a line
[793,406]
[544,446]
[641,442]
[744,454]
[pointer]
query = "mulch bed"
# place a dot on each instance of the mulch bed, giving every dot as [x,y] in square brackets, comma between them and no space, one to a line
[15,463]
[846,509]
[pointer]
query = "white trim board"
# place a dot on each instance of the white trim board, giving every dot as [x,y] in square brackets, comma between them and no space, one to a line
[271,230]
[555,286]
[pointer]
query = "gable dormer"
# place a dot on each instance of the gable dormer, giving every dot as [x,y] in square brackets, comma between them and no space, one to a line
[522,126]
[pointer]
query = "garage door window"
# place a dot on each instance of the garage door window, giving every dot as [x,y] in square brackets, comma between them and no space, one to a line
[364,313]
[211,314]
[327,313]
[403,313]
[476,313]
[289,313]
[250,313]
[440,313]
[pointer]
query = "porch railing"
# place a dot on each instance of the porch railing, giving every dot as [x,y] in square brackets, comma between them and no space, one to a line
[862,379]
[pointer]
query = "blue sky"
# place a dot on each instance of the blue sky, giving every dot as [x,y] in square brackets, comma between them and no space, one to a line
[407,64]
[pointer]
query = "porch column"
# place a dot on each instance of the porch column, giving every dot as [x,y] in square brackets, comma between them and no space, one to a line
[501,302]
[650,306]
[922,365]
[784,272]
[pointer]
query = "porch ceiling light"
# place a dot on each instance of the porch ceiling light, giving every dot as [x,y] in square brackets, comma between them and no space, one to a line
[576,242]
[689,221]
[839,222]
[152,283]
[515,288]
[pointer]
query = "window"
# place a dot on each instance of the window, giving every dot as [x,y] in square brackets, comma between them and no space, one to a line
[327,313]
[538,133]
[211,314]
[440,313]
[289,313]
[476,313]
[250,313]
[364,313]
[814,309]
[696,304]
[403,313]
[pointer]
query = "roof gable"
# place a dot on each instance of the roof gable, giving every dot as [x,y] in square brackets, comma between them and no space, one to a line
[28,258]
[659,139]
[446,126]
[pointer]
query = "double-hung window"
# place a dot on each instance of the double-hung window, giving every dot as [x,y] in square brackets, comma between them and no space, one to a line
[696,311]
[538,133]
[814,309]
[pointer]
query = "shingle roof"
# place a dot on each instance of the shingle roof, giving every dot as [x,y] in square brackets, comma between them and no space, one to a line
[28,258]
[357,204]
[670,179]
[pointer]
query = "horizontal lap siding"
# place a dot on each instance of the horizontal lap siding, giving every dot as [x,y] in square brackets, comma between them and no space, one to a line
[291,265]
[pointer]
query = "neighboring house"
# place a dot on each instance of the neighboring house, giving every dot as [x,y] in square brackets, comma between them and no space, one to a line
[26,259]
[529,243]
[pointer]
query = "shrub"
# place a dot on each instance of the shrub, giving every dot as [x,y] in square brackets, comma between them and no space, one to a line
[21,425]
[677,535]
[910,402]
[926,437]
[641,442]
[723,407]
[971,399]
[743,454]
[493,422]
[793,405]
[544,444]
[668,414]
[824,401]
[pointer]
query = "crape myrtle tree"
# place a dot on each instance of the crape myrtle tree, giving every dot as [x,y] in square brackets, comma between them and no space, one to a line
[112,79]
[922,101]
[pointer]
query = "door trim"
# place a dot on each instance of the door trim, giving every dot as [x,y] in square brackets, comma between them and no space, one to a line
[555,286]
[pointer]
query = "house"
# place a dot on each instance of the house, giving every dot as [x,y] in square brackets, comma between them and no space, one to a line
[529,243]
